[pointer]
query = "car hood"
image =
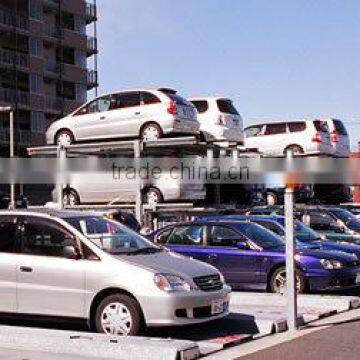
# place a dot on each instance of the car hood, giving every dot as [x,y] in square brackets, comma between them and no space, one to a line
[170,263]
[346,247]
[327,254]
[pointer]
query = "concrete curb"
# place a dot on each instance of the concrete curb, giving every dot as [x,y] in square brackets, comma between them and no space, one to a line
[96,345]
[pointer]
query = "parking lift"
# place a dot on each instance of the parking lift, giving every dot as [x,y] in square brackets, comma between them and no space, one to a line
[171,147]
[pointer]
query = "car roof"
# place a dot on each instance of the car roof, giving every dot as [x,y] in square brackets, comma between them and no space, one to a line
[209,98]
[44,212]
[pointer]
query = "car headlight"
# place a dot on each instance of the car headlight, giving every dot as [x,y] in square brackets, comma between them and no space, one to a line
[169,283]
[331,264]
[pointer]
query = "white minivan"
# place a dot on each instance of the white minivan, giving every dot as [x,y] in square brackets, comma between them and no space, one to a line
[310,137]
[219,120]
[148,114]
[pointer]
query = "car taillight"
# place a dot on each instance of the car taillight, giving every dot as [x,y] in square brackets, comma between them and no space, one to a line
[221,120]
[172,109]
[335,136]
[317,137]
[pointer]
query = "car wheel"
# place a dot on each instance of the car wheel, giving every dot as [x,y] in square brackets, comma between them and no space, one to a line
[278,281]
[64,138]
[152,196]
[70,198]
[271,198]
[296,150]
[151,132]
[118,314]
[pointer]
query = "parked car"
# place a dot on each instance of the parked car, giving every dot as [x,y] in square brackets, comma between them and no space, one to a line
[219,120]
[304,234]
[340,140]
[78,265]
[330,225]
[250,256]
[310,137]
[147,114]
[107,190]
[275,195]
[332,194]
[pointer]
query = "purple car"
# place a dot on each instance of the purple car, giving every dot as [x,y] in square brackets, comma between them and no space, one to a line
[252,257]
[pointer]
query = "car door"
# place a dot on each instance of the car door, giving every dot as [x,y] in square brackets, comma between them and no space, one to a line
[92,120]
[241,267]
[8,264]
[188,240]
[275,139]
[51,280]
[124,119]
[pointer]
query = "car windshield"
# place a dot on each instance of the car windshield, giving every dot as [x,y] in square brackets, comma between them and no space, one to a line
[260,236]
[304,233]
[226,106]
[344,215]
[112,237]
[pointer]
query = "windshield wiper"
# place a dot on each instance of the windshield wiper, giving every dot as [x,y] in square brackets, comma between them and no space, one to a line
[145,251]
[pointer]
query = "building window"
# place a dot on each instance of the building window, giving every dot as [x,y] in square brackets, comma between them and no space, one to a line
[81,92]
[80,58]
[79,24]
[36,46]
[35,9]
[37,122]
[36,83]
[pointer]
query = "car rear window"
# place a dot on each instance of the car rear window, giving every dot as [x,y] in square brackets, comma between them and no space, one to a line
[340,127]
[275,129]
[201,106]
[178,99]
[321,126]
[297,126]
[227,107]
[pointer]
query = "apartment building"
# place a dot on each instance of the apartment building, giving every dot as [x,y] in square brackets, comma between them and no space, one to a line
[44,75]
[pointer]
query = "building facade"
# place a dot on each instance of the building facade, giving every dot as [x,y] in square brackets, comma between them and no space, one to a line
[44,48]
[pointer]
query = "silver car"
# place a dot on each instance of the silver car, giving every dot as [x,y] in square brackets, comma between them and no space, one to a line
[102,189]
[144,113]
[79,265]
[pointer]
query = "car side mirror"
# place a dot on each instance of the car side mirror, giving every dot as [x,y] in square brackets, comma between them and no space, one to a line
[72,252]
[242,245]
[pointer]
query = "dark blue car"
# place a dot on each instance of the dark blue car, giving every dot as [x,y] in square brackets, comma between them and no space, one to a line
[253,257]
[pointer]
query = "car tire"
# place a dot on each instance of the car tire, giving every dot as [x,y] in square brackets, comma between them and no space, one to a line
[152,196]
[278,281]
[70,197]
[296,150]
[151,132]
[118,314]
[64,137]
[271,199]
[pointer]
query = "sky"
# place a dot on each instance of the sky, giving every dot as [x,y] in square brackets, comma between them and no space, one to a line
[277,60]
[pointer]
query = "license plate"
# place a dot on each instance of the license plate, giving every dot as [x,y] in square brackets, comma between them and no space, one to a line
[357,280]
[217,307]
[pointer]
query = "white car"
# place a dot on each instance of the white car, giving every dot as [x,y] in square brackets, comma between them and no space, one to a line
[339,137]
[309,137]
[147,114]
[219,120]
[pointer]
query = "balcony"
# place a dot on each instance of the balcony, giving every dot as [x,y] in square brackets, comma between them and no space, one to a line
[92,79]
[91,45]
[9,19]
[9,57]
[11,96]
[52,31]
[91,13]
